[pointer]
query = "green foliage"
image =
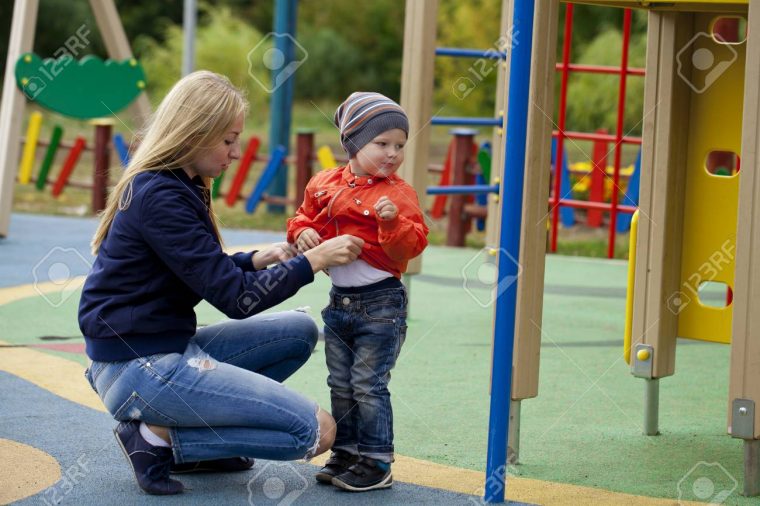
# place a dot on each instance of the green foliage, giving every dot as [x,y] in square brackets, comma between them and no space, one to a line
[374,29]
[314,78]
[592,99]
[222,45]
[147,18]
[467,86]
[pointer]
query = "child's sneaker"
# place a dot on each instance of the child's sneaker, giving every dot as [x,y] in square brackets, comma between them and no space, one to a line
[366,474]
[338,463]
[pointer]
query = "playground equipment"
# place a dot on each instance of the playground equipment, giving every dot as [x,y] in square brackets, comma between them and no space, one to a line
[43,80]
[697,240]
[561,200]
[688,217]
[686,229]
[85,89]
[596,206]
[100,151]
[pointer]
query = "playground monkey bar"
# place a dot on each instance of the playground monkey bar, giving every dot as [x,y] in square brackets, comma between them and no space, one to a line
[565,67]
[460,121]
[584,136]
[599,69]
[470,53]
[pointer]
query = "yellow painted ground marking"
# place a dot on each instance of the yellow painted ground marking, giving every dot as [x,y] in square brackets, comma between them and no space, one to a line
[26,471]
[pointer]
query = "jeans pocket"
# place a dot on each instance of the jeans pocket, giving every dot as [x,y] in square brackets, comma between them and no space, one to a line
[136,408]
[385,312]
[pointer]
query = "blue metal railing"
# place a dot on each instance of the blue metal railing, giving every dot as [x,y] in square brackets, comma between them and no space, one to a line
[473,189]
[456,120]
[470,53]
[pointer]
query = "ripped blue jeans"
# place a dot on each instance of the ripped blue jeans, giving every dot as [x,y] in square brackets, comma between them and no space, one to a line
[222,397]
[365,328]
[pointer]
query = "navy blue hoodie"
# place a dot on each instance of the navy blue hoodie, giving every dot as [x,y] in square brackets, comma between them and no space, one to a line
[159,259]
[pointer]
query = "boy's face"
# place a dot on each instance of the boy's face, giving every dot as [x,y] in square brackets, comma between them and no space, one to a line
[381,156]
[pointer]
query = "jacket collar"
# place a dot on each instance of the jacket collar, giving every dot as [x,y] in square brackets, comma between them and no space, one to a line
[195,184]
[352,179]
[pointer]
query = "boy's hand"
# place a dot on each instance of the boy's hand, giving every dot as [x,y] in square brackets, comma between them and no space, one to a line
[386,209]
[308,239]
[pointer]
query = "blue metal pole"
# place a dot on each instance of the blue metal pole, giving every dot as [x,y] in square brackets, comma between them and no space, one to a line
[442,120]
[469,189]
[460,52]
[509,250]
[283,80]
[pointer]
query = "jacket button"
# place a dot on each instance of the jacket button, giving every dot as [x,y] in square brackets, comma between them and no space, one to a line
[369,181]
[346,301]
[366,212]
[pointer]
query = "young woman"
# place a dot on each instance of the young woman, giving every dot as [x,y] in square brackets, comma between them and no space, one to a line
[188,398]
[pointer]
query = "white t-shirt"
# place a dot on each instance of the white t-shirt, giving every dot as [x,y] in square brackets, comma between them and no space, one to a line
[357,273]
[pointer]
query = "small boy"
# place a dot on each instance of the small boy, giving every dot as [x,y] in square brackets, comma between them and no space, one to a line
[365,321]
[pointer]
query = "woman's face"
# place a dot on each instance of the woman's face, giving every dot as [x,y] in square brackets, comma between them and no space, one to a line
[215,160]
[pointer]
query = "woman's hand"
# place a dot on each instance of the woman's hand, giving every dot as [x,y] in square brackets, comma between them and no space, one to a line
[308,239]
[275,254]
[340,250]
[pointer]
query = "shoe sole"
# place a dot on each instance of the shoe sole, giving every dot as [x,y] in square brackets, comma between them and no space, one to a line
[324,478]
[210,470]
[386,483]
[126,454]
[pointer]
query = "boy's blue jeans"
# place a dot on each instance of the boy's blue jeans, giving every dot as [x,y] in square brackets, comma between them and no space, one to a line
[222,397]
[364,332]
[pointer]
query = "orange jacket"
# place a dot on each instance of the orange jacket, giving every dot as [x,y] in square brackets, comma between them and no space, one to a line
[339,202]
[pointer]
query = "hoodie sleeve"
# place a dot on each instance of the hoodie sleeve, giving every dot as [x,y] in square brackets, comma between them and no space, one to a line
[174,230]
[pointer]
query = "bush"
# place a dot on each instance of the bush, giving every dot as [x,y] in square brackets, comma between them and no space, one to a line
[222,45]
[472,24]
[592,99]
[316,78]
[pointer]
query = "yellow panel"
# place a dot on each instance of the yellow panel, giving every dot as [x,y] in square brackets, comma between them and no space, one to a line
[710,208]
[724,6]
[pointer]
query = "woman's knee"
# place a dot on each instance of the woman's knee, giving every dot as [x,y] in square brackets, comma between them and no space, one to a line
[305,328]
[322,437]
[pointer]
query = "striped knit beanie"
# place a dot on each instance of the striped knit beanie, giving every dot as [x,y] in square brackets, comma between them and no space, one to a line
[364,116]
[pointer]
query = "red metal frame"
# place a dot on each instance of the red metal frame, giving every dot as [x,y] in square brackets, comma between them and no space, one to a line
[619,138]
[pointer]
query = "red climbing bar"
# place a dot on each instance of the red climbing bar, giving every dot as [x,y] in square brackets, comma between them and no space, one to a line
[600,69]
[619,134]
[562,118]
[585,136]
[583,204]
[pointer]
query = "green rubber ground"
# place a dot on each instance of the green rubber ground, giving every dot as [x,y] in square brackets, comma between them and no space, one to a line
[584,428]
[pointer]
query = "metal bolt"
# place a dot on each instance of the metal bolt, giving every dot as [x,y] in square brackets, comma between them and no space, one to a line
[742,411]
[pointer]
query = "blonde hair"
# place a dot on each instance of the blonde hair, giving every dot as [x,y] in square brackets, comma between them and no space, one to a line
[193,117]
